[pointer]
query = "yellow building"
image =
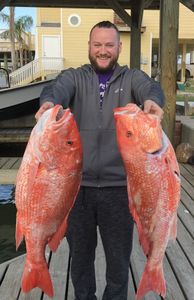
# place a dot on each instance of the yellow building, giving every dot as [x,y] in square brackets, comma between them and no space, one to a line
[63,33]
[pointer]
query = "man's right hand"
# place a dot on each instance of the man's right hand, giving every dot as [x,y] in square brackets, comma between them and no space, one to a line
[43,108]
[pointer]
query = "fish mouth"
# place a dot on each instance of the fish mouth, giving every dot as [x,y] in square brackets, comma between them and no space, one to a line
[61,115]
[120,112]
[134,109]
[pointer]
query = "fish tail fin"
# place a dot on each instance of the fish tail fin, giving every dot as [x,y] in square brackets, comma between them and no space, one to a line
[152,280]
[18,233]
[37,276]
[58,236]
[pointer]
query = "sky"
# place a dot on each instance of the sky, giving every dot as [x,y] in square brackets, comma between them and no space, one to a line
[19,12]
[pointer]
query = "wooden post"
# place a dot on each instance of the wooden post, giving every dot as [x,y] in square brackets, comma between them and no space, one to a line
[169,17]
[135,52]
[183,63]
[136,20]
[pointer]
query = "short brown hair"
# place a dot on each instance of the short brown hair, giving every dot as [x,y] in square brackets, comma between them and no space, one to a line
[106,24]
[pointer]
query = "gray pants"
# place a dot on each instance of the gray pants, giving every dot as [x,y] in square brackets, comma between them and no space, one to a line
[108,209]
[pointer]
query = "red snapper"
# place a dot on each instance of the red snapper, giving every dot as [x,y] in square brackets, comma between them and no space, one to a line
[153,180]
[46,187]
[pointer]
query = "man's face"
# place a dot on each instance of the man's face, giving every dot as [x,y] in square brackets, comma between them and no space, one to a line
[104,48]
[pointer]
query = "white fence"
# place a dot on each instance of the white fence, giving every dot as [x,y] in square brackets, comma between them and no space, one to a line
[39,67]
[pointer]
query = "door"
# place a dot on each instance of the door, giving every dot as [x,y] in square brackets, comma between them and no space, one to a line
[51,54]
[51,46]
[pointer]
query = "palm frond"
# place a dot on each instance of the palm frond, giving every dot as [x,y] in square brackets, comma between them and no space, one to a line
[25,22]
[4,18]
[5,35]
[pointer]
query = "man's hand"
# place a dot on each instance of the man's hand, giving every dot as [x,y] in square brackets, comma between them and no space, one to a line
[153,108]
[42,109]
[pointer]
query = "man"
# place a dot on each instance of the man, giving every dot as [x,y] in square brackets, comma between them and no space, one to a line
[92,92]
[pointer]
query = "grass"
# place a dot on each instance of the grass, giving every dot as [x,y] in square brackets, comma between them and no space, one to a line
[180,97]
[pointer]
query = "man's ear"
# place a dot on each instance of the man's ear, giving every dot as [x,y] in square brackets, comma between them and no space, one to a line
[88,46]
[120,47]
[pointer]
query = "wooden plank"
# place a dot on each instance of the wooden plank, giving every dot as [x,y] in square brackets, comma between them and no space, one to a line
[100,268]
[12,135]
[17,163]
[3,269]
[58,270]
[173,290]
[10,261]
[14,139]
[187,187]
[8,169]
[131,288]
[186,242]
[187,175]
[32,295]
[11,161]
[8,176]
[182,268]
[3,161]
[138,261]
[10,286]
[186,218]
[190,168]
[187,201]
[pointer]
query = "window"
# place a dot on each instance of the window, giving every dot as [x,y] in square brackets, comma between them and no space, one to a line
[74,20]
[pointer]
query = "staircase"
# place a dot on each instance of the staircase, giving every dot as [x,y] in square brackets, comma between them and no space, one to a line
[38,68]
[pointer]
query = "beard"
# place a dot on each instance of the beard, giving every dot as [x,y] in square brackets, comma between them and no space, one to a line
[100,69]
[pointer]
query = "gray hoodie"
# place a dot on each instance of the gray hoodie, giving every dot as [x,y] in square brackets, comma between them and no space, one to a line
[79,90]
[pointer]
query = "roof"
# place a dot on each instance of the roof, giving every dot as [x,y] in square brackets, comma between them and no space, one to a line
[126,4]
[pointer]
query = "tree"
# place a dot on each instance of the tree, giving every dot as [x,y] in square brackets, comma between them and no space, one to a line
[16,31]
[10,33]
[21,25]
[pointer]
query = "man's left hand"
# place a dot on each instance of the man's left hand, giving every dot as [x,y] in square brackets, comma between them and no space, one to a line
[152,107]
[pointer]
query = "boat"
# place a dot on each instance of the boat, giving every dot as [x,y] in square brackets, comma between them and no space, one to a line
[20,101]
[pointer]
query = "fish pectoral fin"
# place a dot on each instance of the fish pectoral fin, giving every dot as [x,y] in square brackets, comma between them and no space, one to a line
[32,175]
[37,276]
[18,232]
[58,236]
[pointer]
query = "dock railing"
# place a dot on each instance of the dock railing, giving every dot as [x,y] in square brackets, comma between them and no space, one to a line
[35,69]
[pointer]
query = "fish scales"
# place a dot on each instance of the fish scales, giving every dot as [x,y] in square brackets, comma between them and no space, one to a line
[46,187]
[153,181]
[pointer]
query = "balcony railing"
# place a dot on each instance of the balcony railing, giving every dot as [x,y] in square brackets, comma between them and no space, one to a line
[38,68]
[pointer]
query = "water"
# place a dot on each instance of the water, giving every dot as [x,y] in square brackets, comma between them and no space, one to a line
[7,193]
[7,224]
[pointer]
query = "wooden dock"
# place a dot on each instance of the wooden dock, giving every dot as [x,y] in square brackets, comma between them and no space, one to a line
[178,261]
[14,135]
[8,169]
